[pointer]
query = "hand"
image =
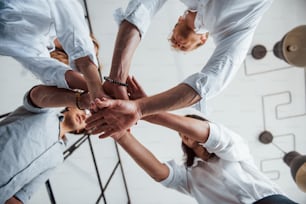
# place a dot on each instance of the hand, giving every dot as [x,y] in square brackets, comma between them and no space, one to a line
[113,116]
[115,91]
[83,102]
[99,93]
[134,89]
[91,75]
[13,200]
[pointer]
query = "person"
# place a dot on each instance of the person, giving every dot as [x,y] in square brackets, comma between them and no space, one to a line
[217,168]
[32,139]
[26,30]
[42,112]
[231,24]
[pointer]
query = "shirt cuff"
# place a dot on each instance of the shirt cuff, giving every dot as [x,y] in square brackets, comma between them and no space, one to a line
[79,53]
[213,138]
[169,179]
[22,196]
[200,105]
[30,106]
[61,79]
[137,14]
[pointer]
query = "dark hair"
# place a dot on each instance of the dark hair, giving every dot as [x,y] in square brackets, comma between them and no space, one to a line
[189,154]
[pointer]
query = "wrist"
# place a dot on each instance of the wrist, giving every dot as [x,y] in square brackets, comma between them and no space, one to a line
[118,72]
[149,118]
[120,136]
[139,108]
[116,82]
[78,103]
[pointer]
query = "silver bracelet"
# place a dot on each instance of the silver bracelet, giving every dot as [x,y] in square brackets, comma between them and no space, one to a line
[115,82]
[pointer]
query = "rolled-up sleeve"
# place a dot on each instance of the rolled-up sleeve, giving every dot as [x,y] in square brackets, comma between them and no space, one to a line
[139,13]
[26,192]
[29,105]
[48,70]
[72,30]
[177,177]
[226,144]
[222,66]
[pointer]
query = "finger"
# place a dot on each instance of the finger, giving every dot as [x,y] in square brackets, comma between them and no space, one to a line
[102,136]
[103,103]
[136,83]
[93,107]
[108,133]
[100,129]
[94,117]
[129,79]
[93,127]
[131,87]
[105,134]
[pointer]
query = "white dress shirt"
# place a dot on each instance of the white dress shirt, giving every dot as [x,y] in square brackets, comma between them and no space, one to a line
[28,28]
[231,24]
[30,149]
[231,177]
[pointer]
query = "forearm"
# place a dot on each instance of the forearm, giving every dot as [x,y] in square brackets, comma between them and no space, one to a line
[143,157]
[51,96]
[128,39]
[178,97]
[91,75]
[75,80]
[196,129]
[13,200]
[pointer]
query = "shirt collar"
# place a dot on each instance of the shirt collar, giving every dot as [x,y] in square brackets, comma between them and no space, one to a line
[196,162]
[60,117]
[199,7]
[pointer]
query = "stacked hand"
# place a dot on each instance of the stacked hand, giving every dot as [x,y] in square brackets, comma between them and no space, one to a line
[114,116]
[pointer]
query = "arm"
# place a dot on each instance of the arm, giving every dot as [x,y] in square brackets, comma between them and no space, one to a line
[117,115]
[53,72]
[91,75]
[128,38]
[73,34]
[50,96]
[231,49]
[133,24]
[75,80]
[198,130]
[144,158]
[25,193]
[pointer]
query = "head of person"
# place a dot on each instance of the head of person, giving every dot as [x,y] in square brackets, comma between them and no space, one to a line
[74,120]
[192,148]
[60,54]
[184,37]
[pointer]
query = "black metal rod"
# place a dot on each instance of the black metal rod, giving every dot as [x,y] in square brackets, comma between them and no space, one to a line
[50,192]
[74,146]
[4,115]
[97,169]
[123,175]
[91,31]
[112,174]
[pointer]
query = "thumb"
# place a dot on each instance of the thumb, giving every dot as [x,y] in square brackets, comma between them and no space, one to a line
[103,102]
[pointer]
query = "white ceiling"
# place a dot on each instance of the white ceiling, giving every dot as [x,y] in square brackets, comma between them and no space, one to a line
[265,94]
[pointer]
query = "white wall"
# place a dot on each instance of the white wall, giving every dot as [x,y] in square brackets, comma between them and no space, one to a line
[246,106]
